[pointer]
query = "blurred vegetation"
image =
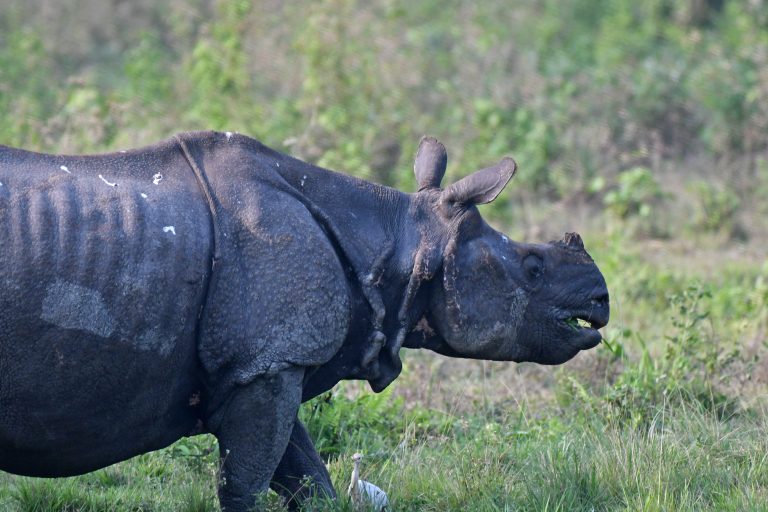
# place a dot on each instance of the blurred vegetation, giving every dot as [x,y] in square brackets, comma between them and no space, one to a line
[642,124]
[580,92]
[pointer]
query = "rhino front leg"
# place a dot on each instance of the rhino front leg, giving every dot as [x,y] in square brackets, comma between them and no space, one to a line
[253,427]
[301,473]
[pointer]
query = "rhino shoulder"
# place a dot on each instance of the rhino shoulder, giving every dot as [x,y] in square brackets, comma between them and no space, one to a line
[278,295]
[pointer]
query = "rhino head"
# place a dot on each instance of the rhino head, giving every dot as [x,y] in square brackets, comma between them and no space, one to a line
[494,298]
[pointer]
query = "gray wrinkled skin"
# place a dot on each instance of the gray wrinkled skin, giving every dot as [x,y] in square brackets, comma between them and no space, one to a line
[209,284]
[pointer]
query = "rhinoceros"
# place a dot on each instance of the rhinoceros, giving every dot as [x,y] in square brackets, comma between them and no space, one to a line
[209,284]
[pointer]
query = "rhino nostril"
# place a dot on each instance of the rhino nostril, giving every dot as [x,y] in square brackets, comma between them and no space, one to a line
[600,300]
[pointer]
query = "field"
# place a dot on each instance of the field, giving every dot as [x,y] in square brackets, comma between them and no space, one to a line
[643,127]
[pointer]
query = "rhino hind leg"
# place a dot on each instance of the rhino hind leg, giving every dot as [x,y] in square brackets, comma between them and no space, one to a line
[253,428]
[301,473]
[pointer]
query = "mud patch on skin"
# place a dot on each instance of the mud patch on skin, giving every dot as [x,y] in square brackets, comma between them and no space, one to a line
[71,306]
[517,307]
[499,340]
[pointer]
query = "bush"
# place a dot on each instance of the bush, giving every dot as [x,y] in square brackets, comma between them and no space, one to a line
[337,423]
[637,197]
[717,208]
[691,369]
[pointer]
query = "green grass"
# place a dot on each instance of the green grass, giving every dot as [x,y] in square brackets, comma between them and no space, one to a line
[689,462]
[687,459]
[156,481]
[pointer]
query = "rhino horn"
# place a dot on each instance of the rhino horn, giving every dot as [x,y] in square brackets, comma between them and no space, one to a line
[573,240]
[430,162]
[482,186]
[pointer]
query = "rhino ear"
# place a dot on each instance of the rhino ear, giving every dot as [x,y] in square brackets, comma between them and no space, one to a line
[430,163]
[482,186]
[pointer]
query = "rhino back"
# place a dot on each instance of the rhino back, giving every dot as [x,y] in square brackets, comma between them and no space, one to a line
[104,262]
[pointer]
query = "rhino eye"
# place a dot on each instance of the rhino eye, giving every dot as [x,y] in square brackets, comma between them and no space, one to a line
[533,265]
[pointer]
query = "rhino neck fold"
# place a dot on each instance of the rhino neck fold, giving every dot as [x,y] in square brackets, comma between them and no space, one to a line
[423,267]
[381,247]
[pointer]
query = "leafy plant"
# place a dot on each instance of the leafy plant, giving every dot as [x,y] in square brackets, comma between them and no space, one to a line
[335,422]
[718,207]
[637,197]
[200,452]
[342,420]
[219,81]
[27,98]
[689,370]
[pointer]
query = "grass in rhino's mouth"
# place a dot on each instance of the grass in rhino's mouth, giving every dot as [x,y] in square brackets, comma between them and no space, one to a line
[578,323]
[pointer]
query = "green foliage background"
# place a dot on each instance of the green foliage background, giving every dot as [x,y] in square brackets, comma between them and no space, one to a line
[579,91]
[640,124]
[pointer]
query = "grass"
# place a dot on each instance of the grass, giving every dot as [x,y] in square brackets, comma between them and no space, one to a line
[156,481]
[687,459]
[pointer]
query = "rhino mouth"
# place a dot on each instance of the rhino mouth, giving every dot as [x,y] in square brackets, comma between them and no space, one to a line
[583,327]
[577,323]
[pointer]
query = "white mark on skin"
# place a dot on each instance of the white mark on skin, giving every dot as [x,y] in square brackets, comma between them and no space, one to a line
[169,229]
[228,134]
[504,258]
[303,179]
[123,151]
[506,240]
[71,306]
[277,164]
[143,195]
[1,183]
[157,178]
[65,169]
[107,182]
[353,214]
